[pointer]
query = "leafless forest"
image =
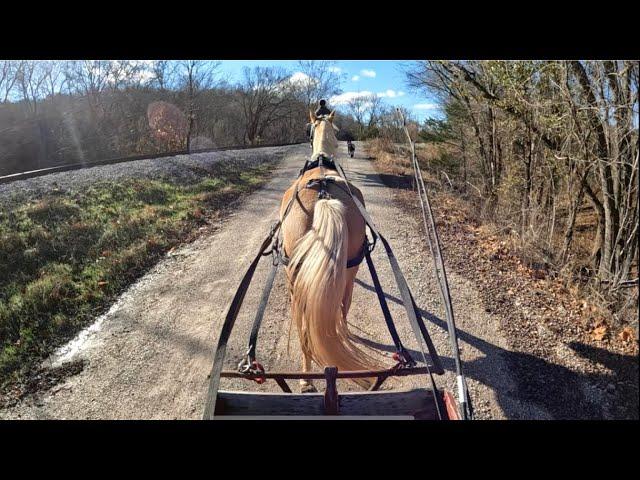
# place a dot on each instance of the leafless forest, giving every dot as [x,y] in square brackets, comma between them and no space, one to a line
[546,149]
[549,151]
[57,112]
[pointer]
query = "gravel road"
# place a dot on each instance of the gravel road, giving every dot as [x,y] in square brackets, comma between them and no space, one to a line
[150,355]
[181,169]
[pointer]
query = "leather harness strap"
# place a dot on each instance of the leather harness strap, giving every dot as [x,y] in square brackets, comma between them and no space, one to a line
[323,193]
[232,313]
[249,364]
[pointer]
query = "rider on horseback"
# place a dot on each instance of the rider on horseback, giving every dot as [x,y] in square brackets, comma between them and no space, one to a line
[321,111]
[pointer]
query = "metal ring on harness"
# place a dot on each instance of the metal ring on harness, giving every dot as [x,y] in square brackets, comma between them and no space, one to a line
[250,366]
[323,192]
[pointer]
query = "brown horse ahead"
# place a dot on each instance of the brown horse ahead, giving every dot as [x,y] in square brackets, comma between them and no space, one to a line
[320,236]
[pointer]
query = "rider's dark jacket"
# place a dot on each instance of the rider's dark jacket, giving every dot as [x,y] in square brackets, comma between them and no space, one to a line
[322,111]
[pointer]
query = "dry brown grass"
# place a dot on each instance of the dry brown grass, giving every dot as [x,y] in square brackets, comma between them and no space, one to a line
[502,233]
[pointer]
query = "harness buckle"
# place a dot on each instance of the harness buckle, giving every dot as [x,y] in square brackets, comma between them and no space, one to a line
[323,194]
[274,228]
[276,257]
[249,366]
[403,361]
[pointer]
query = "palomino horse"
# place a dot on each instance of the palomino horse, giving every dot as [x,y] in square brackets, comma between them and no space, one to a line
[320,236]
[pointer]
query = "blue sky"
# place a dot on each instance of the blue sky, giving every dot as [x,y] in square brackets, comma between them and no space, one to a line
[385,78]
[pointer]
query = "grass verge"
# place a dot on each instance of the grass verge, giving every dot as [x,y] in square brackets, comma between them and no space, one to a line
[66,256]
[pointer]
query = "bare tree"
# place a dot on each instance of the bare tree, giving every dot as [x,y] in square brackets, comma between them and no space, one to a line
[322,79]
[126,74]
[31,77]
[195,76]
[163,72]
[54,77]
[356,107]
[365,109]
[91,79]
[374,109]
[8,78]
[265,98]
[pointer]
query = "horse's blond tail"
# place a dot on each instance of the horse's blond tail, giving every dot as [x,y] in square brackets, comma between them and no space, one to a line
[318,270]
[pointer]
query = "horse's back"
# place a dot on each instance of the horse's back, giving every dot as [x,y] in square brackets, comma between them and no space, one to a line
[300,217]
[340,192]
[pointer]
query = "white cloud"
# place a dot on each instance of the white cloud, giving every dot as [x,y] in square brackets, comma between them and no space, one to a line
[136,70]
[145,75]
[300,78]
[346,97]
[368,73]
[355,78]
[426,106]
[391,94]
[296,80]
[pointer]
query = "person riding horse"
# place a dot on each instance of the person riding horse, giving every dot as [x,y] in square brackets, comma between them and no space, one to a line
[351,148]
[320,112]
[322,109]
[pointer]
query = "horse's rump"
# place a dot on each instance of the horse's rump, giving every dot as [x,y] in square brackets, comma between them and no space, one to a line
[320,235]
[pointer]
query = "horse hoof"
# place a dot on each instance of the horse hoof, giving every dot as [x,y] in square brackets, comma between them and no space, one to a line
[308,389]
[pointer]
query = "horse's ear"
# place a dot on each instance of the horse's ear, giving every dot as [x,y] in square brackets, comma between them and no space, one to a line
[331,115]
[312,116]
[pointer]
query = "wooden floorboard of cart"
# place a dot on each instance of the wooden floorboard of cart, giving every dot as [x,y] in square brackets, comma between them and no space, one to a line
[403,404]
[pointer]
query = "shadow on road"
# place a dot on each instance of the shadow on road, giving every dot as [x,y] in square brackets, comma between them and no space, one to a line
[404,182]
[561,392]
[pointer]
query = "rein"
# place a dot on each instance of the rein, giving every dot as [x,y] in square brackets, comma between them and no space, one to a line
[251,367]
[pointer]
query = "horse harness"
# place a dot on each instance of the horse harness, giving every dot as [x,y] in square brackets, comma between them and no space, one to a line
[249,363]
[323,162]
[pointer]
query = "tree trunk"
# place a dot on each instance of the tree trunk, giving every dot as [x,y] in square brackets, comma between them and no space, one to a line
[464,160]
[526,196]
[573,213]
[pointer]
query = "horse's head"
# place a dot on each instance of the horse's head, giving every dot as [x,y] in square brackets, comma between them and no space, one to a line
[324,137]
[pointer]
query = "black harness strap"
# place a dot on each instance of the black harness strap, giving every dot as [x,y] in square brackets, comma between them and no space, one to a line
[253,339]
[353,262]
[232,314]
[320,161]
[417,324]
[227,326]
[357,260]
[406,358]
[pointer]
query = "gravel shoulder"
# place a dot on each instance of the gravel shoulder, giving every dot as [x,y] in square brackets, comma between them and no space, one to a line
[149,357]
[181,169]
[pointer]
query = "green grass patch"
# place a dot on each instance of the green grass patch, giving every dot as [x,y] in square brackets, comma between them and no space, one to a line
[64,257]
